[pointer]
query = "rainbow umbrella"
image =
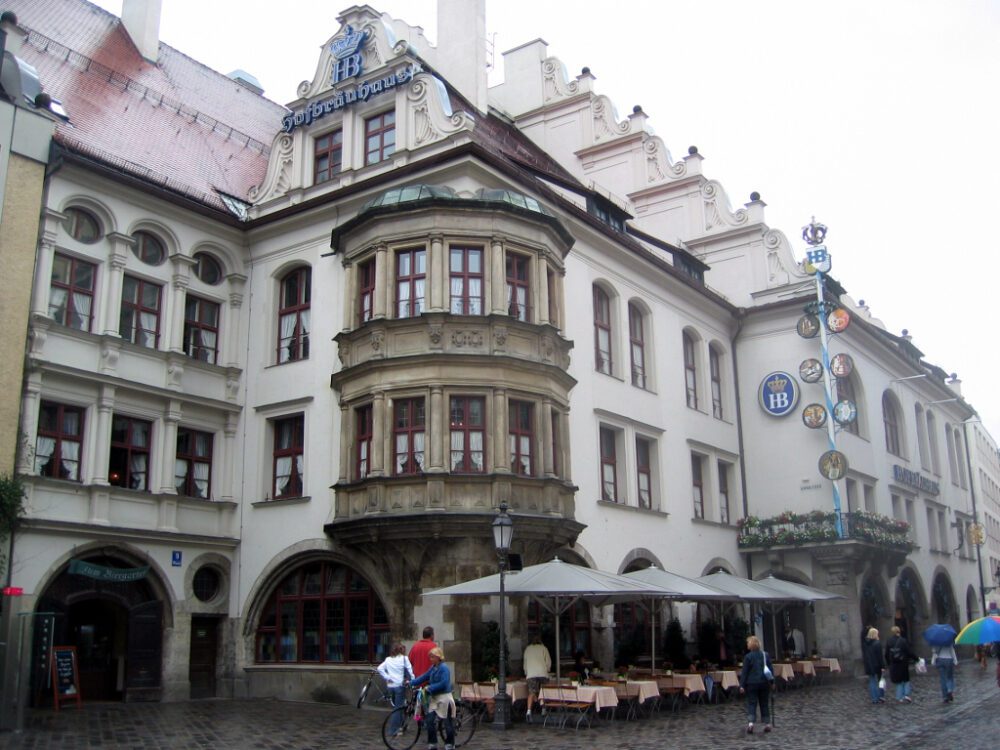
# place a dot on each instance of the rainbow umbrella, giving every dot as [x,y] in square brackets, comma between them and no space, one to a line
[983,630]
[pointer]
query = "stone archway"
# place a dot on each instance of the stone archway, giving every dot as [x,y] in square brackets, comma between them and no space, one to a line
[874,605]
[944,607]
[910,611]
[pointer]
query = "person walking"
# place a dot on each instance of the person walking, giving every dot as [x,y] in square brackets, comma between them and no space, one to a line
[537,665]
[419,651]
[874,665]
[440,701]
[396,670]
[899,654]
[945,659]
[755,683]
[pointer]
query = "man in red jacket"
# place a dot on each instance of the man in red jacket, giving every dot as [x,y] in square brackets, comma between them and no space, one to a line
[419,652]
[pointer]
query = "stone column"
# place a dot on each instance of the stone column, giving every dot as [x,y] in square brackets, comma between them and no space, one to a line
[838,621]
[501,449]
[352,297]
[100,436]
[168,448]
[384,292]
[498,274]
[224,484]
[43,274]
[438,436]
[231,351]
[545,424]
[114,274]
[346,465]
[179,282]
[540,289]
[437,284]
[30,403]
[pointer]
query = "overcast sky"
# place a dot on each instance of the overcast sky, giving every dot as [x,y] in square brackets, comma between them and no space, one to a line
[878,117]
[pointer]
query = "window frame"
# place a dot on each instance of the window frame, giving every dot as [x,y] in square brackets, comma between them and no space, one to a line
[60,437]
[466,299]
[208,269]
[521,433]
[130,449]
[690,371]
[715,372]
[890,423]
[364,433]
[332,151]
[366,290]
[603,355]
[698,485]
[608,450]
[294,346]
[145,242]
[413,281]
[137,308]
[845,391]
[463,407]
[644,470]
[725,511]
[380,126]
[190,458]
[293,426]
[76,220]
[517,269]
[416,425]
[193,325]
[637,345]
[71,288]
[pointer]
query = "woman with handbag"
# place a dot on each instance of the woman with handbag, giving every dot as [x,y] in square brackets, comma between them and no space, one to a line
[899,655]
[755,683]
[874,666]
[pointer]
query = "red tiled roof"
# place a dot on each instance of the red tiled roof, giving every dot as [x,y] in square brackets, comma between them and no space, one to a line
[176,123]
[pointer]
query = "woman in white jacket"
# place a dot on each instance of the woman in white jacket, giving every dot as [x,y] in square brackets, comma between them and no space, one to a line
[396,670]
[945,659]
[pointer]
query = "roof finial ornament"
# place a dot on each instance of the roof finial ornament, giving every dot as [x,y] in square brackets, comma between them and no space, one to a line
[814,233]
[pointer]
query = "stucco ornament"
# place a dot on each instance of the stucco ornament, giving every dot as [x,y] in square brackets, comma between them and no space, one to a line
[279,171]
[556,83]
[659,163]
[718,214]
[432,119]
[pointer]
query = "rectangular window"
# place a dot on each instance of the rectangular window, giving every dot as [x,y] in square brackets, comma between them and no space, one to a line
[911,518]
[609,466]
[644,472]
[328,156]
[193,463]
[466,276]
[363,442]
[289,438]
[697,486]
[723,492]
[468,418]
[60,438]
[517,286]
[139,321]
[637,341]
[366,291]
[408,436]
[690,373]
[201,329]
[411,277]
[294,315]
[380,137]
[852,495]
[943,531]
[602,331]
[521,436]
[716,373]
[869,498]
[71,295]
[128,464]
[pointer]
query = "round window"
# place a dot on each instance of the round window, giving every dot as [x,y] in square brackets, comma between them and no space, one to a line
[206,584]
[82,225]
[148,248]
[207,268]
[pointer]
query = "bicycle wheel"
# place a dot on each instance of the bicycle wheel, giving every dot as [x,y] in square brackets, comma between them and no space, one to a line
[364,693]
[465,724]
[407,733]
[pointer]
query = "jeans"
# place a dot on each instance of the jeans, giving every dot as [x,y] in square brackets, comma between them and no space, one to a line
[758,694]
[903,690]
[873,689]
[449,730]
[398,695]
[946,672]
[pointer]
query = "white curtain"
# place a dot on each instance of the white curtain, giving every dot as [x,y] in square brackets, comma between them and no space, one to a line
[475,296]
[287,329]
[81,311]
[476,448]
[57,303]
[70,460]
[137,471]
[201,472]
[43,452]
[456,295]
[418,302]
[418,450]
[457,449]
[282,475]
[146,335]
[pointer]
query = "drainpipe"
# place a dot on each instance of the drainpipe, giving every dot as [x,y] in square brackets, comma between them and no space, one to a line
[739,426]
[975,518]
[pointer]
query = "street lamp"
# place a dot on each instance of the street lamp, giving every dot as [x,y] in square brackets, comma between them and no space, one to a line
[503,532]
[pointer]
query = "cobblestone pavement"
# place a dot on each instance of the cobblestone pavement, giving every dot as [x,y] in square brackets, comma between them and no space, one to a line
[832,716]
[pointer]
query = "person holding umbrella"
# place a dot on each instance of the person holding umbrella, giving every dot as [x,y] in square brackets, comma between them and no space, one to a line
[941,637]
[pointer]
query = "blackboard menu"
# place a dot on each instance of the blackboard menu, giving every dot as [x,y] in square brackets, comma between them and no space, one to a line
[65,675]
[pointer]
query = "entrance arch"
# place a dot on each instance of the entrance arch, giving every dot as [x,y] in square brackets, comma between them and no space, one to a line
[911,606]
[109,605]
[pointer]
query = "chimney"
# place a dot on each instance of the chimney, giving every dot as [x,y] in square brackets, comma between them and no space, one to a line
[141,19]
[461,46]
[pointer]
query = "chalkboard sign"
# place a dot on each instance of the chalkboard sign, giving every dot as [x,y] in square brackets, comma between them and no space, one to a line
[65,675]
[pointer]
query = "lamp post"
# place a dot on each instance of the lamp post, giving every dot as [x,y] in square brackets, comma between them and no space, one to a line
[503,532]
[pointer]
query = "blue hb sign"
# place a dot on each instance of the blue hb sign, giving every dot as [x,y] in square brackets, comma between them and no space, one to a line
[778,394]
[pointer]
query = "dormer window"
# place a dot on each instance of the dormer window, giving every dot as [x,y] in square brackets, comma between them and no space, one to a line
[605,211]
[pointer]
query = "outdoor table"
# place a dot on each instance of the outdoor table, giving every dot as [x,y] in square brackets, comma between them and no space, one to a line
[726,679]
[517,690]
[783,670]
[647,689]
[825,666]
[691,683]
[805,668]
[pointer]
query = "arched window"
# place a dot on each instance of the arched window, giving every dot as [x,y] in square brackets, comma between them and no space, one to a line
[148,248]
[293,316]
[918,414]
[637,340]
[890,419]
[845,392]
[322,613]
[602,331]
[207,268]
[932,439]
[690,372]
[82,225]
[960,458]
[715,370]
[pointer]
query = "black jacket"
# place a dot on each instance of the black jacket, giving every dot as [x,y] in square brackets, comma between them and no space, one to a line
[872,656]
[898,655]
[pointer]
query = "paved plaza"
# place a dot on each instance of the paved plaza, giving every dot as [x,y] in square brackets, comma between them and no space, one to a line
[832,716]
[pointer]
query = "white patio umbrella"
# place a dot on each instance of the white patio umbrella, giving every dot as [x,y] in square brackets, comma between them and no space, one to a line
[687,589]
[556,586]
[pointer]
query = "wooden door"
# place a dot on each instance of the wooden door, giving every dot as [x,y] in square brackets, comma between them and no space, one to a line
[204,649]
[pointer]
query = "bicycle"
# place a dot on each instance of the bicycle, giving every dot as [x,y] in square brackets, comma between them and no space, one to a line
[411,726]
[383,694]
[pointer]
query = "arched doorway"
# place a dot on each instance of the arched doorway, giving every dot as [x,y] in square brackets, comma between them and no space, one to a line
[943,605]
[910,610]
[874,604]
[104,604]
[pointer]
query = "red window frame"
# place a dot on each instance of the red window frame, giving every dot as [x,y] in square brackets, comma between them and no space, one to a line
[464,278]
[521,437]
[136,301]
[467,421]
[380,137]
[518,289]
[363,433]
[574,627]
[411,275]
[723,492]
[323,613]
[602,332]
[201,317]
[715,371]
[328,151]
[82,225]
[149,248]
[637,340]
[697,486]
[366,290]
[55,422]
[609,466]
[690,373]
[644,472]
[127,445]
[294,304]
[408,426]
[194,447]
[289,444]
[74,277]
